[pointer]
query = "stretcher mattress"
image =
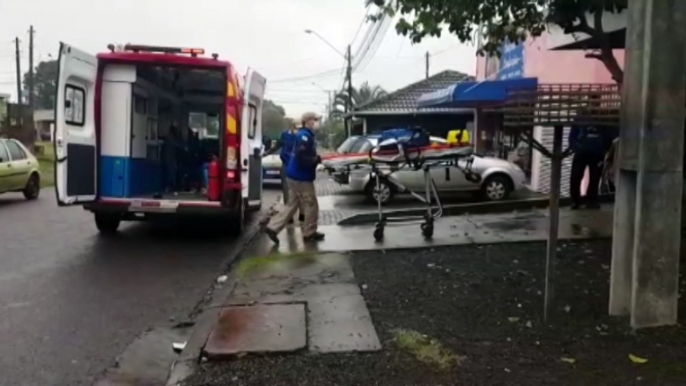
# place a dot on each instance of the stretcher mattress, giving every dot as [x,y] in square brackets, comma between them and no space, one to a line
[399,154]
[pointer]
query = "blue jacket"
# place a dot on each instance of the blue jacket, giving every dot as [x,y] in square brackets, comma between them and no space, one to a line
[589,140]
[286,142]
[303,163]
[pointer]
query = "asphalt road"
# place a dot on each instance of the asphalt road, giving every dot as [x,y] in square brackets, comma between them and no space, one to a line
[71,301]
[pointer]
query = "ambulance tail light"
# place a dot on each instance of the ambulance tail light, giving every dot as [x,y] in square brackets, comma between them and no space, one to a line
[231,158]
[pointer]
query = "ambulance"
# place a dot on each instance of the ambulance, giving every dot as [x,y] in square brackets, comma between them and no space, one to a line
[113,112]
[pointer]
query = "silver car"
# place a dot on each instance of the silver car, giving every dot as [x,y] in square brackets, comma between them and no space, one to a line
[499,178]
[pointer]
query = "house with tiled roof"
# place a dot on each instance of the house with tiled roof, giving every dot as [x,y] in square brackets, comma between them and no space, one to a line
[400,108]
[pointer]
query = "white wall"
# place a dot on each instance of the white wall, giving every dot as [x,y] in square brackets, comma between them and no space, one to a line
[540,165]
[116,110]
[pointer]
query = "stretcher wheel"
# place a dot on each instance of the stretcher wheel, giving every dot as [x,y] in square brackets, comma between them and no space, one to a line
[378,233]
[427,230]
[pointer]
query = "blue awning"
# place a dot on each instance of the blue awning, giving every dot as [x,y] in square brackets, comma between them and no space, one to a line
[473,94]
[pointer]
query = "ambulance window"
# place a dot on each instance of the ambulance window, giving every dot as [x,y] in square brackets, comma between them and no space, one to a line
[252,122]
[75,105]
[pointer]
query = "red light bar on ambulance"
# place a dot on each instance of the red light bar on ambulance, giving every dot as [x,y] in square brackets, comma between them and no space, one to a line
[166,50]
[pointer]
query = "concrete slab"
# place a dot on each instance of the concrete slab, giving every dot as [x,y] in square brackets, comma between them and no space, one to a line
[338,319]
[258,329]
[460,230]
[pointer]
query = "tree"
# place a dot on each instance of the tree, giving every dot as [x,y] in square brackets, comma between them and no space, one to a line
[45,84]
[273,119]
[361,96]
[506,20]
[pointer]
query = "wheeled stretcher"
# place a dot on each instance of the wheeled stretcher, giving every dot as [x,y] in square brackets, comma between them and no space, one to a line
[391,156]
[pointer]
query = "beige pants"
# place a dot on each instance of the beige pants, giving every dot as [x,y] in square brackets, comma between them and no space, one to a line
[301,196]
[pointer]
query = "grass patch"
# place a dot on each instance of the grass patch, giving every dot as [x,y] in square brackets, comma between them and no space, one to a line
[252,264]
[45,153]
[426,350]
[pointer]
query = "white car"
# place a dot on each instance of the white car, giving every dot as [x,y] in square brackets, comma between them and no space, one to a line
[499,178]
[271,169]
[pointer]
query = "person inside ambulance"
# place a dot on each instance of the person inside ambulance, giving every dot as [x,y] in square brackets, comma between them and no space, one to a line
[301,173]
[170,152]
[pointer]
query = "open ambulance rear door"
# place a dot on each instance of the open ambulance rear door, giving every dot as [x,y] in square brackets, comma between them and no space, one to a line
[75,137]
[251,139]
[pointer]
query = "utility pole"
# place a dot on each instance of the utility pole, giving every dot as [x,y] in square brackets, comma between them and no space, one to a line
[16,45]
[31,83]
[428,59]
[349,101]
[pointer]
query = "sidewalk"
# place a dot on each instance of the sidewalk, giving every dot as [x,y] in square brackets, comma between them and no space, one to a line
[457,315]
[459,230]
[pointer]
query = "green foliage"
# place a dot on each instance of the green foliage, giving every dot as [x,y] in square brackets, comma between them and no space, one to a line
[45,80]
[273,119]
[504,20]
[360,96]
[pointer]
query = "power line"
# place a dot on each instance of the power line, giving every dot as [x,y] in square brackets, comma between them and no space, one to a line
[306,77]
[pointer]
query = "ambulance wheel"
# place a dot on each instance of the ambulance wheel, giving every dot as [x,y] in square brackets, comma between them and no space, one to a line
[107,223]
[427,230]
[378,233]
[236,222]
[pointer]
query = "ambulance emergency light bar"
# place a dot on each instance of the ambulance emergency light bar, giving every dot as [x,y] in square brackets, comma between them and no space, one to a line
[167,50]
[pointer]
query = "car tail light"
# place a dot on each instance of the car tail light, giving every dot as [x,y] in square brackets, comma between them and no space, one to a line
[231,160]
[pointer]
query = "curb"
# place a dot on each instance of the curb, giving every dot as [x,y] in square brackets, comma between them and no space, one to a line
[206,317]
[472,208]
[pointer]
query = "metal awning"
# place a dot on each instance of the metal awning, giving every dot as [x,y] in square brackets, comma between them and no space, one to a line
[473,94]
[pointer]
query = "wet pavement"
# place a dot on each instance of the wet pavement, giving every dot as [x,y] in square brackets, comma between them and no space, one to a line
[345,203]
[458,230]
[335,316]
[71,302]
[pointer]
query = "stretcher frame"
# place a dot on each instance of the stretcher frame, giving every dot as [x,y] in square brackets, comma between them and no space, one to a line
[430,193]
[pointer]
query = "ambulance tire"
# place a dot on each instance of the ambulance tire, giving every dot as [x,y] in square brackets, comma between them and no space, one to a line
[107,223]
[235,223]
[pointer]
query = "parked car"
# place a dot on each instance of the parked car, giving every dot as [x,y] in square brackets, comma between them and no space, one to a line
[499,178]
[19,169]
[344,148]
[363,144]
[271,169]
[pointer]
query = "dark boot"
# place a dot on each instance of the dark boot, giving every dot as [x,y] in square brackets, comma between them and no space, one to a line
[314,237]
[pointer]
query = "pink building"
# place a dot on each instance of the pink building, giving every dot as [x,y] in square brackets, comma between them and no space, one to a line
[534,59]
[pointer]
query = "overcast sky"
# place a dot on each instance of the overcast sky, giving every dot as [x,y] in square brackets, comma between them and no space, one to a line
[264,34]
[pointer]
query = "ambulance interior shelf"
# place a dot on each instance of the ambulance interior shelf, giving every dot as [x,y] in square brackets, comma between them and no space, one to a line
[151,100]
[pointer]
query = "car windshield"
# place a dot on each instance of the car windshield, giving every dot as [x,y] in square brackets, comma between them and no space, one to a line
[360,146]
[346,145]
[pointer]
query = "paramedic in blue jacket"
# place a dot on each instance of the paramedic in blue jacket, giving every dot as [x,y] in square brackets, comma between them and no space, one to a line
[589,143]
[285,145]
[301,173]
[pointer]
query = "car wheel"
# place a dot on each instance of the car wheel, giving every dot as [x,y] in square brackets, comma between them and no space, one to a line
[107,223]
[32,189]
[383,193]
[496,188]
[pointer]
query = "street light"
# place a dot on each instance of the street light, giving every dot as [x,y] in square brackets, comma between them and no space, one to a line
[311,32]
[348,75]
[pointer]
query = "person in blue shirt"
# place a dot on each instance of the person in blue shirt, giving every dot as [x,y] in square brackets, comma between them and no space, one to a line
[285,145]
[589,143]
[301,172]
